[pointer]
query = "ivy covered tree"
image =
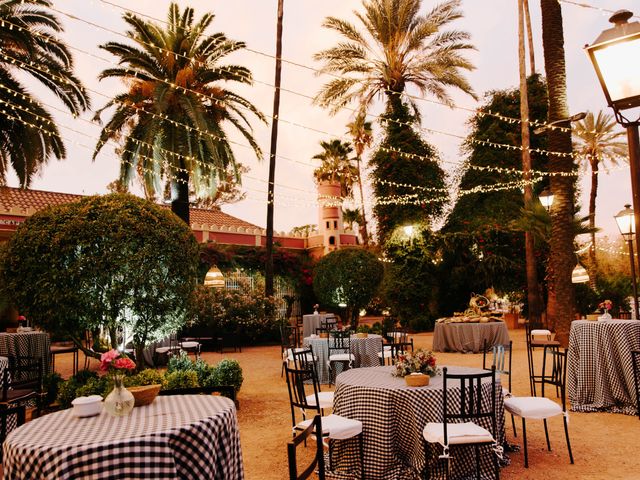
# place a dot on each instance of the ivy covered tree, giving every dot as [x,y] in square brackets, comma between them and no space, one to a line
[114,261]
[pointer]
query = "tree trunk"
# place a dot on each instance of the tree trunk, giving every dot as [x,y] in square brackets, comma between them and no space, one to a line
[268,268]
[592,221]
[533,289]
[562,257]
[365,234]
[180,204]
[532,53]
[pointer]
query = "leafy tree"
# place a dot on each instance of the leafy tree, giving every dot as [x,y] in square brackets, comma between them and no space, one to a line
[349,276]
[351,216]
[173,114]
[32,48]
[113,261]
[596,142]
[362,134]
[336,166]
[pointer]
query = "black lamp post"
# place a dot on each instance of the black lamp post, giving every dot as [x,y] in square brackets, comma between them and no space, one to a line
[615,55]
[627,226]
[546,198]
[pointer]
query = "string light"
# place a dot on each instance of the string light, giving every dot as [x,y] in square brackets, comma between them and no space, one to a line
[603,11]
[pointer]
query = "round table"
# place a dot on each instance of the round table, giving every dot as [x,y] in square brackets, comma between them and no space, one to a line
[365,351]
[468,337]
[27,344]
[182,436]
[311,322]
[393,416]
[599,365]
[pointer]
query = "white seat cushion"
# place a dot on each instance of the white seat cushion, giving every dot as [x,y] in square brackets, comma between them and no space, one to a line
[336,427]
[541,332]
[165,349]
[325,399]
[289,354]
[458,433]
[532,407]
[342,357]
[386,353]
[189,344]
[505,392]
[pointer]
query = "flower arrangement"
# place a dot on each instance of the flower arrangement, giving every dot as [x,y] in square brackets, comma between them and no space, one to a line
[605,306]
[420,361]
[116,362]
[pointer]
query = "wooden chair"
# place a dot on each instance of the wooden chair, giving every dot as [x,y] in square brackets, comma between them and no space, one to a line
[542,408]
[452,433]
[635,360]
[314,429]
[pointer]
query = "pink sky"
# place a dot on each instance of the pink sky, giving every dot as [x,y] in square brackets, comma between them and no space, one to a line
[491,23]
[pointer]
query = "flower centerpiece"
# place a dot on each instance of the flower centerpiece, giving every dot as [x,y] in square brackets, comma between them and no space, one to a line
[417,367]
[605,307]
[315,309]
[120,401]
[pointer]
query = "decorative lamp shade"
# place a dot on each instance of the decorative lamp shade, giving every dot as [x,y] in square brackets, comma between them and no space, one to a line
[579,274]
[615,55]
[214,278]
[626,222]
[546,198]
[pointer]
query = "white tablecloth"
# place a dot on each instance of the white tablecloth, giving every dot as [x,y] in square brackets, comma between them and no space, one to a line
[188,437]
[311,322]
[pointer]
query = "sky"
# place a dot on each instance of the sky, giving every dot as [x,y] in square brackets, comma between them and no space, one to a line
[492,25]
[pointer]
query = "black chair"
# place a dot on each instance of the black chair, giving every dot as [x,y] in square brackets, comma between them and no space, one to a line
[304,359]
[225,390]
[59,348]
[537,337]
[451,432]
[166,351]
[635,360]
[339,350]
[289,342]
[300,400]
[10,419]
[22,381]
[501,360]
[542,407]
[314,429]
[329,322]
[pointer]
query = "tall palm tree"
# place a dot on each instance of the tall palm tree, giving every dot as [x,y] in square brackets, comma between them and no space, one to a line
[173,113]
[595,141]
[336,166]
[399,47]
[31,47]
[562,258]
[362,134]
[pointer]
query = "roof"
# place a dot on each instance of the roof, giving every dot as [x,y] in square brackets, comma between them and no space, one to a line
[26,199]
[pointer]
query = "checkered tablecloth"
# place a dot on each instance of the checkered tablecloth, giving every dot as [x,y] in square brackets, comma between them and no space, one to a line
[26,344]
[176,437]
[365,351]
[599,365]
[393,417]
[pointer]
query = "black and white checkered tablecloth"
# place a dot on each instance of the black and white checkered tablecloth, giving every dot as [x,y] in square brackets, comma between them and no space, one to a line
[393,417]
[176,437]
[365,350]
[26,344]
[599,365]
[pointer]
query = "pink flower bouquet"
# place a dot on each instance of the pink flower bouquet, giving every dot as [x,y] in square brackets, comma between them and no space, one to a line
[116,362]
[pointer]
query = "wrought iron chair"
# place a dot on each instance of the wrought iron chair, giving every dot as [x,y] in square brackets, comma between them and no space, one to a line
[314,429]
[22,381]
[339,350]
[536,337]
[501,359]
[304,359]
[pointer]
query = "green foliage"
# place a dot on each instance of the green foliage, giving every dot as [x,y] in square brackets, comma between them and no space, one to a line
[95,386]
[180,379]
[363,329]
[337,166]
[226,372]
[50,385]
[350,276]
[179,363]
[148,376]
[417,167]
[67,392]
[114,261]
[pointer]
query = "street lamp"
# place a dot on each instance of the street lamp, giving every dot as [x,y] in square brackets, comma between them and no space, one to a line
[573,118]
[214,278]
[626,224]
[579,274]
[614,55]
[546,198]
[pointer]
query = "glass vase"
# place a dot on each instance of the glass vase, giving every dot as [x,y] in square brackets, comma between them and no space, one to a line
[605,316]
[120,401]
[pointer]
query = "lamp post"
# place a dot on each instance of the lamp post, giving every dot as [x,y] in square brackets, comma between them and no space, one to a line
[556,123]
[546,199]
[627,226]
[614,55]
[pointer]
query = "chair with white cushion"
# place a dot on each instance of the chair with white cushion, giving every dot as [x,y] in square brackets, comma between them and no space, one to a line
[536,337]
[304,359]
[314,429]
[289,342]
[339,348]
[190,345]
[173,348]
[542,408]
[501,359]
[334,427]
[460,424]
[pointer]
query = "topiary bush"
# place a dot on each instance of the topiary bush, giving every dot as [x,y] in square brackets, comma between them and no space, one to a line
[180,379]
[226,372]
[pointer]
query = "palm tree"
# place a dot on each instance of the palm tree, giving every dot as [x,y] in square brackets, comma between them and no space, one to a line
[173,113]
[595,141]
[336,166]
[31,47]
[362,134]
[399,47]
[351,216]
[562,258]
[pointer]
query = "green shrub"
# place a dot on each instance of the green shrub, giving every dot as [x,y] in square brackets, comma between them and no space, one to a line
[179,363]
[226,372]
[180,379]
[145,377]
[95,386]
[363,329]
[67,392]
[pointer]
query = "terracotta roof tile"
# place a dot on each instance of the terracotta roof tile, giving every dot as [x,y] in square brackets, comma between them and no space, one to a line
[24,199]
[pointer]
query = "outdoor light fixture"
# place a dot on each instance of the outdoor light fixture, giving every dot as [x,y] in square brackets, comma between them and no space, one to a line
[573,118]
[408,230]
[579,274]
[214,278]
[627,226]
[546,198]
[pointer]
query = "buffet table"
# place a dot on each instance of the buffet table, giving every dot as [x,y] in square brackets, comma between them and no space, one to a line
[599,365]
[393,416]
[468,337]
[183,436]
